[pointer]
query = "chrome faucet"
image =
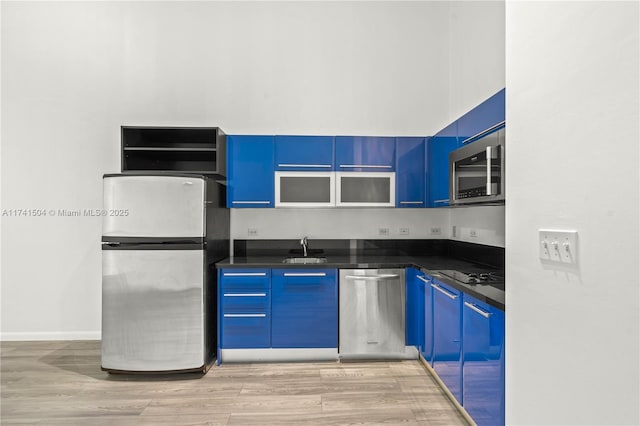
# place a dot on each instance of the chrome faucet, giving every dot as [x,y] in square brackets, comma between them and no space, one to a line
[305,245]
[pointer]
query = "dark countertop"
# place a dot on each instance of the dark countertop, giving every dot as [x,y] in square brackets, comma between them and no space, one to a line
[428,264]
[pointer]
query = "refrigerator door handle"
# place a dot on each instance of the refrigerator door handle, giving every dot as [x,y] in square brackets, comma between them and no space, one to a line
[111,243]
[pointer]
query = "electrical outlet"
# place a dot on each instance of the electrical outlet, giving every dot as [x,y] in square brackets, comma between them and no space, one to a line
[435,230]
[403,231]
[473,233]
[252,232]
[383,231]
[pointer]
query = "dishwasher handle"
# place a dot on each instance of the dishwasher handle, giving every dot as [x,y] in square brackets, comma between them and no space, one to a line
[372,277]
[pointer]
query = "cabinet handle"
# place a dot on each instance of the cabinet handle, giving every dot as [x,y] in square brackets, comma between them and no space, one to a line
[424,280]
[245,294]
[305,274]
[250,202]
[370,166]
[446,200]
[244,274]
[411,202]
[489,171]
[245,315]
[318,166]
[482,132]
[372,277]
[443,291]
[478,310]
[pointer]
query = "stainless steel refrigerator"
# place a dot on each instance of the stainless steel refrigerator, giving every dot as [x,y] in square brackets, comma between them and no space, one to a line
[161,235]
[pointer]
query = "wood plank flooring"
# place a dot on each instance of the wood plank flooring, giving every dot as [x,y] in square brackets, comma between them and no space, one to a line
[60,383]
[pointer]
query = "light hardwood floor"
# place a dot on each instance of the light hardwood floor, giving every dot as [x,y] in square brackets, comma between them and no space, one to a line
[60,383]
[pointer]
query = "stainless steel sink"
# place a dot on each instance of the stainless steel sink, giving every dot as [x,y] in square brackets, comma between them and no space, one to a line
[305,260]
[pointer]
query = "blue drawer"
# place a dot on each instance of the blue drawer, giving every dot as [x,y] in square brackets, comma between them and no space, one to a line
[243,331]
[248,280]
[245,302]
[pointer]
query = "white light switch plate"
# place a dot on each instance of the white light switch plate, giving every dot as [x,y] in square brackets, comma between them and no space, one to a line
[558,245]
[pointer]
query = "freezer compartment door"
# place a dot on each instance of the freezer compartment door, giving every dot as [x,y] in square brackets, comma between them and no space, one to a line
[153,206]
[152,310]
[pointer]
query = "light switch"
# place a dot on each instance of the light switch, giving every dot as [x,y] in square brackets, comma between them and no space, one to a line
[558,245]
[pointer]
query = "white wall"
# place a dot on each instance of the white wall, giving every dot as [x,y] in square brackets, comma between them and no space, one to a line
[74,72]
[572,108]
[338,223]
[478,224]
[476,54]
[470,42]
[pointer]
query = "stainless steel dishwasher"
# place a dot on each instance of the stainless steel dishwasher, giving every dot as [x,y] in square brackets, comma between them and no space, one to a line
[372,315]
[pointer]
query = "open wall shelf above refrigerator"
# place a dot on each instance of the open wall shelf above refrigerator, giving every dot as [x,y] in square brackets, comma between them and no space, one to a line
[199,150]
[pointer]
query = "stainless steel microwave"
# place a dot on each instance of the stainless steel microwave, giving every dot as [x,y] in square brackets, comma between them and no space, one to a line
[477,170]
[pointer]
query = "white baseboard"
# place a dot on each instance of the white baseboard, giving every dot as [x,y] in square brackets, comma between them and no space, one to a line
[17,336]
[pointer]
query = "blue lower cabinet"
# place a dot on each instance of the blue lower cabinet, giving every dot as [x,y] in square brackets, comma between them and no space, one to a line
[244,299]
[427,347]
[304,308]
[447,337]
[414,309]
[483,330]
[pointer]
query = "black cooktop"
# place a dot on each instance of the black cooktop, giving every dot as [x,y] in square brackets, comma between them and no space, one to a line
[478,277]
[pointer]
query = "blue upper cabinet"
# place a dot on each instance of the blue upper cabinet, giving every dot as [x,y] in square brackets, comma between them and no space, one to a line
[438,149]
[486,115]
[250,171]
[304,153]
[410,172]
[365,154]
